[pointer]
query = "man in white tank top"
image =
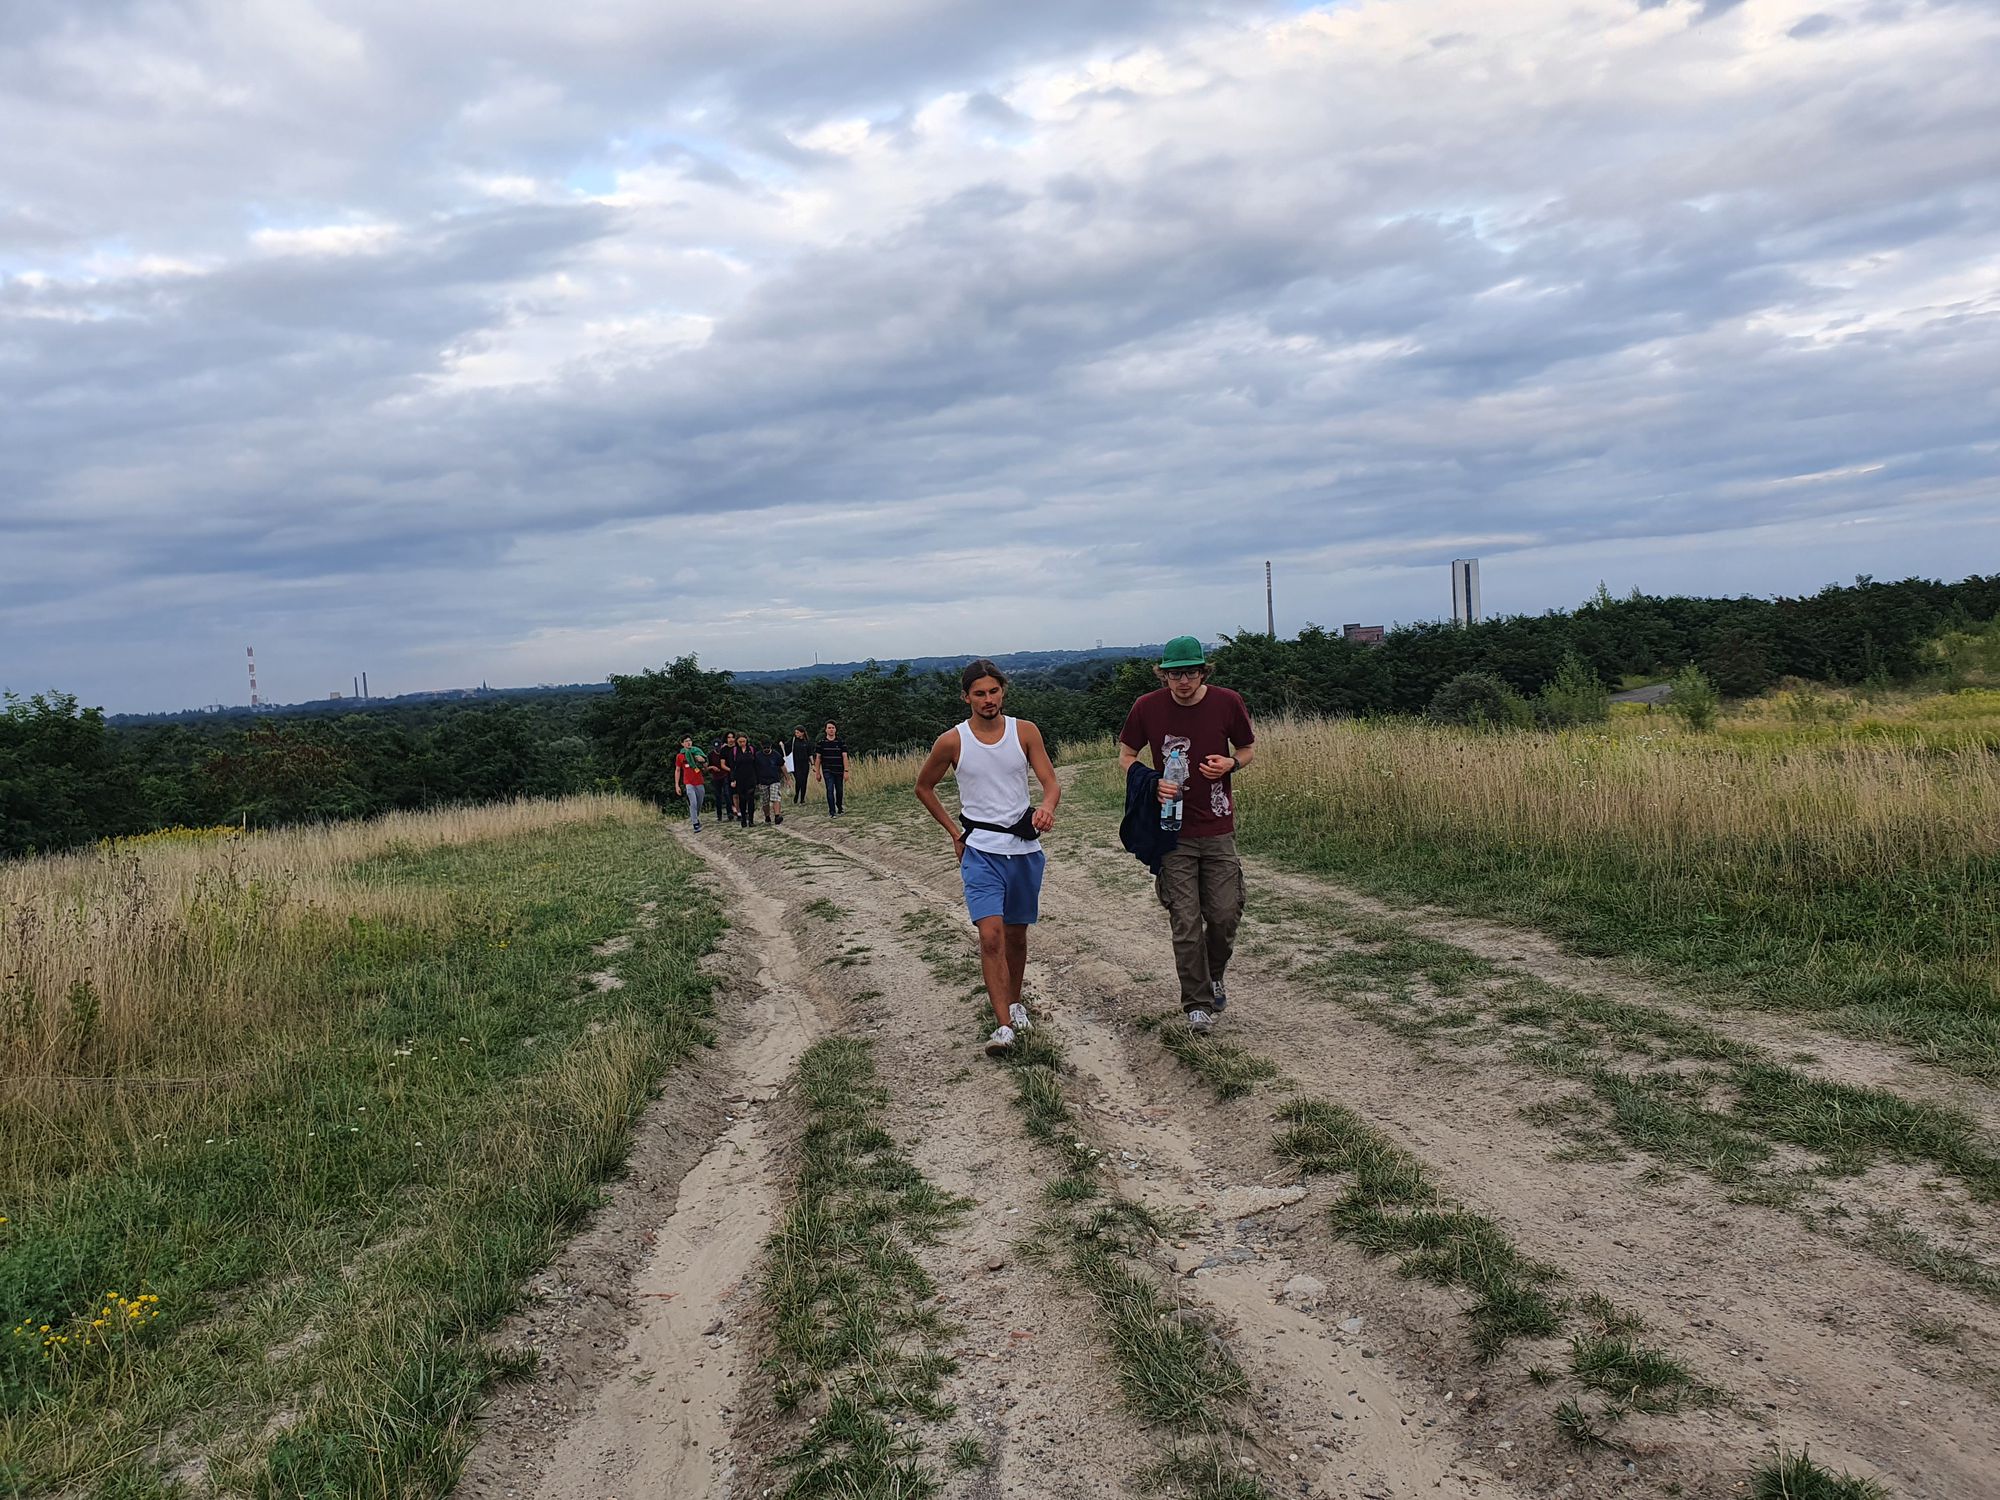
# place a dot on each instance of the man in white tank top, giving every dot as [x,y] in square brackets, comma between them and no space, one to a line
[997,838]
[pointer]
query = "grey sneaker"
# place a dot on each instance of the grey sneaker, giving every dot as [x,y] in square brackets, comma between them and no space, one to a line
[1221,996]
[1018,1014]
[1001,1042]
[1200,1022]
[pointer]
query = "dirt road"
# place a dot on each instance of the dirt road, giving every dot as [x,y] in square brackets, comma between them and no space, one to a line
[1802,1310]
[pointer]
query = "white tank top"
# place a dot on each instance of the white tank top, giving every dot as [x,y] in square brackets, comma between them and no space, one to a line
[993,787]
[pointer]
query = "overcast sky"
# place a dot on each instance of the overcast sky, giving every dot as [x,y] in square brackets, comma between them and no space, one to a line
[531,342]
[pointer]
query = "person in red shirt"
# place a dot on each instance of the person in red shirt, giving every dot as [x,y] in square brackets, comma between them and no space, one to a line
[1201,880]
[690,767]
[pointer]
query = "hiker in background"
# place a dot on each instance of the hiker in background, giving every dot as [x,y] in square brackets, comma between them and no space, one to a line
[744,778]
[1202,733]
[830,757]
[689,779]
[802,758]
[997,835]
[771,781]
[718,776]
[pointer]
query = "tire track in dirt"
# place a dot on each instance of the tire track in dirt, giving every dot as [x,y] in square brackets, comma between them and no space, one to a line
[1340,1419]
[1818,1053]
[640,1371]
[1811,1336]
[1032,1385]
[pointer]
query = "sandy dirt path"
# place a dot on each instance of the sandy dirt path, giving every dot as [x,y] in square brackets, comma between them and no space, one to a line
[1363,1383]
[635,1326]
[1816,1342]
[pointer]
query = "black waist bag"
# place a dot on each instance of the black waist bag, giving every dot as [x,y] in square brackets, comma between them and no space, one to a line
[1022,828]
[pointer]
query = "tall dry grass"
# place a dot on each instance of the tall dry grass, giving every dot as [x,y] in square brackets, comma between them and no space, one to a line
[1844,809]
[1845,874]
[146,958]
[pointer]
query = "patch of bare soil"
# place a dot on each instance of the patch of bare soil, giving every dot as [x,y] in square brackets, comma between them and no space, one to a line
[1815,1341]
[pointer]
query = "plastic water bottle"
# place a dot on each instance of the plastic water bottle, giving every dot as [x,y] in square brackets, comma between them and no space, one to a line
[1176,772]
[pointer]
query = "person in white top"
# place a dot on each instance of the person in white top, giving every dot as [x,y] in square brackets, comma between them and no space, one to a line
[996,838]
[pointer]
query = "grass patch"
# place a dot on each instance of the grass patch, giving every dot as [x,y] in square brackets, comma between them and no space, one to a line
[1225,1067]
[824,910]
[943,946]
[330,1227]
[1794,1476]
[1630,1375]
[1882,1234]
[858,1342]
[1392,1208]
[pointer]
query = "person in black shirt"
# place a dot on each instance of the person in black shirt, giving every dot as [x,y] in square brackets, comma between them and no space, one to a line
[802,756]
[830,761]
[718,760]
[743,776]
[771,780]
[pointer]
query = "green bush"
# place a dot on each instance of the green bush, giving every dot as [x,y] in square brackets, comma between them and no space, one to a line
[1575,696]
[1694,698]
[1479,700]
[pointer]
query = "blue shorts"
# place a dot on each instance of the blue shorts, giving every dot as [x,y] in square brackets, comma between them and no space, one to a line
[1007,886]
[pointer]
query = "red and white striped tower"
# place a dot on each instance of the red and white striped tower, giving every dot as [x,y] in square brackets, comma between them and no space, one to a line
[251,652]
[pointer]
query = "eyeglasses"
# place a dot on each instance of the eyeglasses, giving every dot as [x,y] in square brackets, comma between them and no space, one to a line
[1182,674]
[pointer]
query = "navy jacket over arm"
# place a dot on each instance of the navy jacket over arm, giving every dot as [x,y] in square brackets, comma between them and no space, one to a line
[1140,832]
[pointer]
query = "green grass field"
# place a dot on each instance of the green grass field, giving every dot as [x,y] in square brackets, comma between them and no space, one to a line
[333,1215]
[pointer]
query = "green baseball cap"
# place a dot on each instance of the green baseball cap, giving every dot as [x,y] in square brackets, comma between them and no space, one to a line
[1183,651]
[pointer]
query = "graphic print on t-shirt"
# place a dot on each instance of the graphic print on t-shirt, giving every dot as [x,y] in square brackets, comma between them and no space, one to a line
[1218,800]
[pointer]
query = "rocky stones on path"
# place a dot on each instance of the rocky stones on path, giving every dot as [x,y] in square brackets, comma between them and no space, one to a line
[1304,1292]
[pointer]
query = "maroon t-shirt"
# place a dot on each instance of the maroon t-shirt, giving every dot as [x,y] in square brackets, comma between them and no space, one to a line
[1211,727]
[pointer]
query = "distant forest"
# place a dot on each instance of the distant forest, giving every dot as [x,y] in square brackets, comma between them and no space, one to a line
[68,776]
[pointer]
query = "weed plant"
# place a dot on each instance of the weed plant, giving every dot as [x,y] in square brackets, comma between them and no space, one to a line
[1794,1476]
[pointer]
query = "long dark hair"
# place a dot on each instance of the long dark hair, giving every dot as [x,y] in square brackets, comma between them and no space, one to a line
[978,669]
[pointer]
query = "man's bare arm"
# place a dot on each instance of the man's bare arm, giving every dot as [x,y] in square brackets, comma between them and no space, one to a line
[1045,773]
[943,756]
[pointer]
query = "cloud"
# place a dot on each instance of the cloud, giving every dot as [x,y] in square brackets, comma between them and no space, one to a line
[1041,335]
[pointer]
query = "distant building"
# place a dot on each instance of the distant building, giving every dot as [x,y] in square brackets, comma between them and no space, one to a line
[1465,591]
[1363,635]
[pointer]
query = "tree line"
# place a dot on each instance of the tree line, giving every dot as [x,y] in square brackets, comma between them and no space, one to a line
[68,778]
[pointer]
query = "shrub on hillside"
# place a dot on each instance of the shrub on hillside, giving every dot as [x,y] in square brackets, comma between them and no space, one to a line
[1479,700]
[1694,698]
[1575,696]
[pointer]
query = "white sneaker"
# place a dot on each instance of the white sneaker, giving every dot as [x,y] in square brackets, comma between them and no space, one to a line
[1200,1022]
[1018,1014]
[1001,1042]
[1221,996]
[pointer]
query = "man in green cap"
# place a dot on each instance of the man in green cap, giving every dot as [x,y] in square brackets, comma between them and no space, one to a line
[1201,734]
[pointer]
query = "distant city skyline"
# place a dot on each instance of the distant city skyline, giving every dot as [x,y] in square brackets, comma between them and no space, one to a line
[534,344]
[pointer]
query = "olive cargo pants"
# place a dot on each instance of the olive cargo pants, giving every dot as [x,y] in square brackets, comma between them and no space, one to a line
[1201,885]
